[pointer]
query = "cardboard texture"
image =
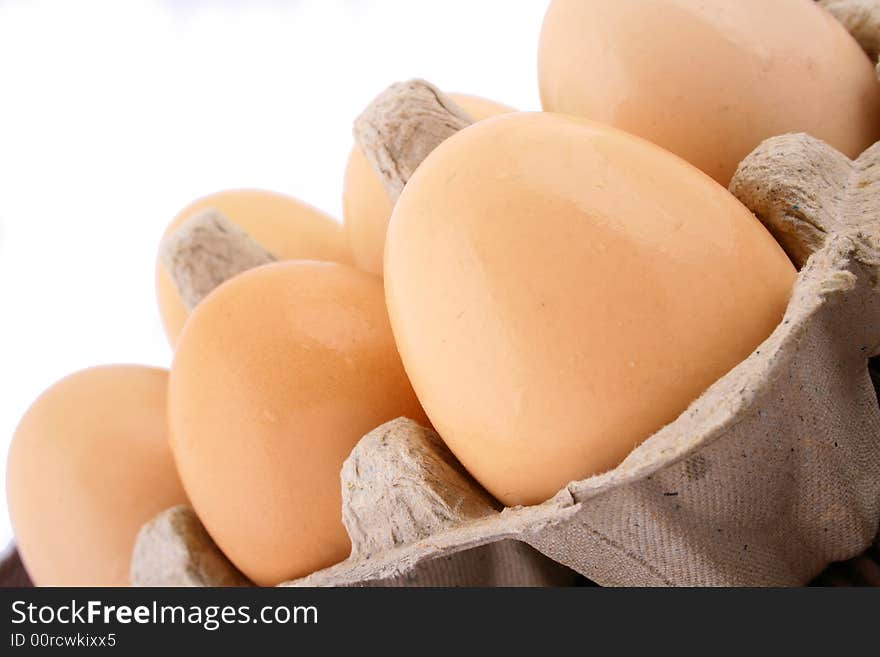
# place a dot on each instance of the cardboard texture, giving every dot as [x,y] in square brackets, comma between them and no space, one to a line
[401,127]
[207,250]
[771,475]
[175,550]
[861,18]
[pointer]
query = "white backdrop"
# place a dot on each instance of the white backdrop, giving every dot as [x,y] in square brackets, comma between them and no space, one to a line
[115,114]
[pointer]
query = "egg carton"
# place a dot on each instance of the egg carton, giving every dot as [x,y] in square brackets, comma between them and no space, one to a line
[772,474]
[861,18]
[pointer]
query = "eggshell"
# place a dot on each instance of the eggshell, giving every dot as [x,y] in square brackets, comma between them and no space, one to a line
[366,205]
[277,374]
[288,228]
[559,290]
[88,466]
[710,79]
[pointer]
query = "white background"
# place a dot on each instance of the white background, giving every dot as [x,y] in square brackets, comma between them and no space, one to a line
[116,114]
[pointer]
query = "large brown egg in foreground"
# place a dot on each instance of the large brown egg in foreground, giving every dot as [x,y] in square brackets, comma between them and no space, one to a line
[288,228]
[710,79]
[277,374]
[366,205]
[559,290]
[88,466]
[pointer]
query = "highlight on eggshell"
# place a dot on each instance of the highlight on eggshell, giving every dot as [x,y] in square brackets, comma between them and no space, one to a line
[277,374]
[90,464]
[709,80]
[366,203]
[285,226]
[600,284]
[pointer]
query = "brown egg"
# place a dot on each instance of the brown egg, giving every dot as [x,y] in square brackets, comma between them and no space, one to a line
[288,228]
[710,79]
[366,205]
[559,290]
[277,374]
[88,466]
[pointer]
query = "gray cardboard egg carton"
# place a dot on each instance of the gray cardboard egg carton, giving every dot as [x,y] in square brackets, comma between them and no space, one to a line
[772,474]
